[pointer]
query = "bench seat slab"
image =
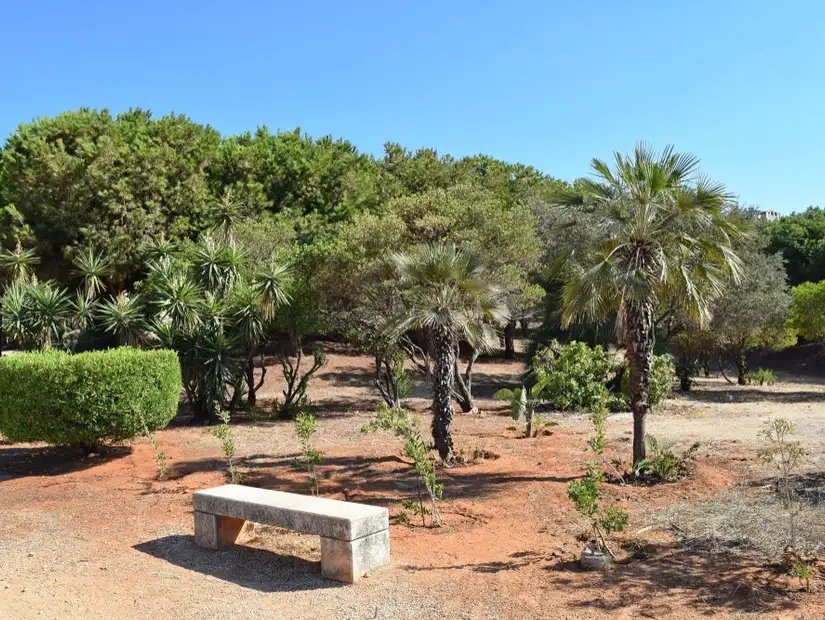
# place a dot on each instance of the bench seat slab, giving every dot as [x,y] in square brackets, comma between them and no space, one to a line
[328,518]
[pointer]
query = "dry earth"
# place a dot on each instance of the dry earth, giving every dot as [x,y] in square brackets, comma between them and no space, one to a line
[100,538]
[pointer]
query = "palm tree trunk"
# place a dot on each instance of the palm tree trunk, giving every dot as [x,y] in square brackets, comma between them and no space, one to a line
[640,340]
[443,379]
[510,340]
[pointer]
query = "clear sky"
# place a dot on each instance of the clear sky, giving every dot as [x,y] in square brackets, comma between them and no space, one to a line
[740,83]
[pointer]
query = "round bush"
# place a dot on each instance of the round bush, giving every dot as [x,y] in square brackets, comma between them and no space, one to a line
[88,398]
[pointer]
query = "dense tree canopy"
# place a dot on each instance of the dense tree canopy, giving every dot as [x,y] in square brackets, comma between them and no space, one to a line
[800,238]
[89,201]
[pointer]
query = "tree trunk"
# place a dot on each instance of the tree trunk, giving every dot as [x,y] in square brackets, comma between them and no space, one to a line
[525,328]
[443,380]
[386,381]
[249,372]
[463,392]
[510,340]
[742,368]
[640,340]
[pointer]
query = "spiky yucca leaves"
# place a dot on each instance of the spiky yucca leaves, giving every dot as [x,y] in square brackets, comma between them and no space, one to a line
[123,316]
[270,284]
[202,306]
[216,265]
[662,237]
[92,267]
[19,264]
[226,214]
[449,294]
[35,315]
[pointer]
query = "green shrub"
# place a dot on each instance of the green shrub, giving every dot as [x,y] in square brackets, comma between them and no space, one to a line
[88,398]
[572,377]
[762,376]
[662,463]
[662,372]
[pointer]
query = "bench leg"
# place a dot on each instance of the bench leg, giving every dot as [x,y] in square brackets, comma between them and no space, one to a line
[350,560]
[216,532]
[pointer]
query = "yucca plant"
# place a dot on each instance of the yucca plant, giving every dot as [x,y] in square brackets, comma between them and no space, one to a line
[36,315]
[92,268]
[216,266]
[226,213]
[19,264]
[201,305]
[123,317]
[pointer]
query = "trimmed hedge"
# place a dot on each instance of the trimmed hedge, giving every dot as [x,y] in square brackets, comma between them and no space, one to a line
[88,398]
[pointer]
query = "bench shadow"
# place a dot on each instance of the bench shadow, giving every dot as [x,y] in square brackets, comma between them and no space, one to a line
[248,567]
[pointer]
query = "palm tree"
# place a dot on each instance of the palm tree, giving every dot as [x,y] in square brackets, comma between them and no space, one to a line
[662,237]
[449,295]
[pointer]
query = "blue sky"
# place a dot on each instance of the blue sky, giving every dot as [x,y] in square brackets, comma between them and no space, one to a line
[552,84]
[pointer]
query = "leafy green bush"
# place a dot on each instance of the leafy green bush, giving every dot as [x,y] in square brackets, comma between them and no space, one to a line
[662,372]
[762,376]
[88,398]
[572,377]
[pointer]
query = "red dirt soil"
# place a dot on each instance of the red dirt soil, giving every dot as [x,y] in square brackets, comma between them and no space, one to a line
[100,537]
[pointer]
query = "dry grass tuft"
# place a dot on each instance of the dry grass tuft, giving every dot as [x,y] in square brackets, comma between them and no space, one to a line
[744,520]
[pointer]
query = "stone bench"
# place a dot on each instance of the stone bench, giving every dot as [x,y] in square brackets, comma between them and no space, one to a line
[355,538]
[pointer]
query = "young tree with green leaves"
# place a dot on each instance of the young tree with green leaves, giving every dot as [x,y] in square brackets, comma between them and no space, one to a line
[754,312]
[808,310]
[662,234]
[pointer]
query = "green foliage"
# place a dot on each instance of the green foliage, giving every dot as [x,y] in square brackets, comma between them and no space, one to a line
[662,372]
[800,238]
[226,439]
[661,237]
[762,376]
[306,426]
[522,406]
[586,492]
[88,398]
[208,303]
[18,264]
[598,440]
[401,424]
[86,177]
[753,313]
[807,315]
[572,377]
[449,294]
[35,315]
[662,463]
[804,570]
[92,268]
